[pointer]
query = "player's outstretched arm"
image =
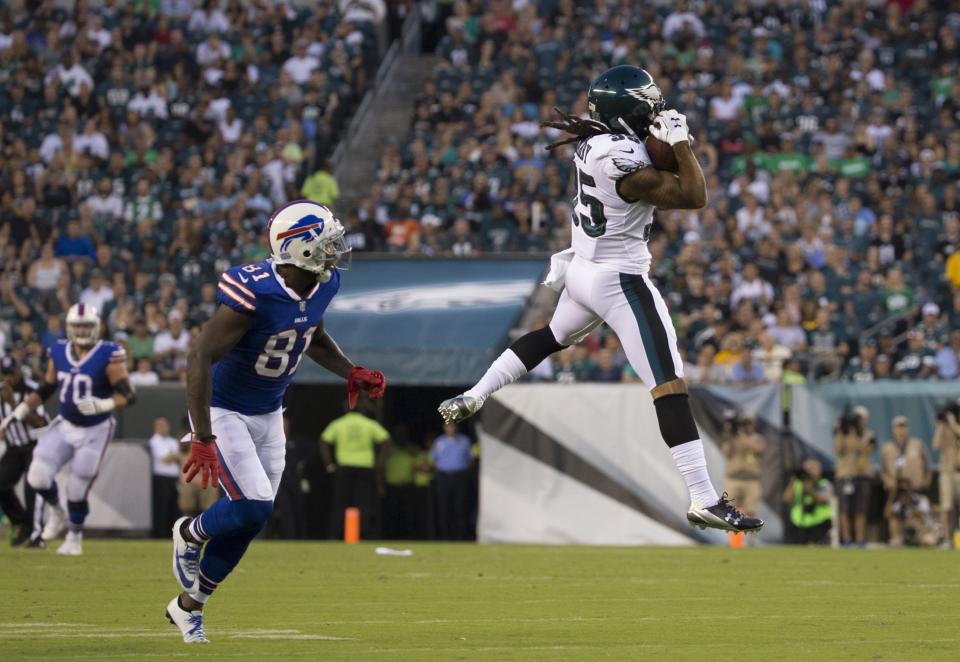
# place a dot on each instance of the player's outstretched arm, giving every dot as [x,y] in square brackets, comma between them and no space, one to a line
[217,337]
[325,351]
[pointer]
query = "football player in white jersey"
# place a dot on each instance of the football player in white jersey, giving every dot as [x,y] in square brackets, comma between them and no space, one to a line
[603,277]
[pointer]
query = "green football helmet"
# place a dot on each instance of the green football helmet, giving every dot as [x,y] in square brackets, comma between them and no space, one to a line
[625,100]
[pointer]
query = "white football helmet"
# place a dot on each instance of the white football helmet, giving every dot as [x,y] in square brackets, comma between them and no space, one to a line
[308,235]
[83,324]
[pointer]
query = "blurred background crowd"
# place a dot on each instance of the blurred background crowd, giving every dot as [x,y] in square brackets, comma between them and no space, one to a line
[143,145]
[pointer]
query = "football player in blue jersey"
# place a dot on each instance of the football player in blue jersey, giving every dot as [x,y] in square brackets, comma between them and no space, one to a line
[270,314]
[92,377]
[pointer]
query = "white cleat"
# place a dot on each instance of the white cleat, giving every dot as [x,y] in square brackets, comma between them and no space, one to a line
[189,622]
[186,558]
[72,545]
[56,523]
[459,408]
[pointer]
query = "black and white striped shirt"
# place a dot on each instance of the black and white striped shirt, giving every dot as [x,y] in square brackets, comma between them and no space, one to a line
[19,433]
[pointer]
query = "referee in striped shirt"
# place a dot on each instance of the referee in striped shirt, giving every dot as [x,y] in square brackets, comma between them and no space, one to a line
[19,438]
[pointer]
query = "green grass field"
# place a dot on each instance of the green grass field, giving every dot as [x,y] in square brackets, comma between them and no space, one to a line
[481,602]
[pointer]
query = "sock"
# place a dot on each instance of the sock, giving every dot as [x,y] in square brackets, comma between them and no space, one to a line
[192,530]
[692,465]
[77,511]
[505,370]
[220,557]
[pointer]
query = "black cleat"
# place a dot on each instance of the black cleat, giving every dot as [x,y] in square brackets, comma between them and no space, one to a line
[723,516]
[21,536]
[36,543]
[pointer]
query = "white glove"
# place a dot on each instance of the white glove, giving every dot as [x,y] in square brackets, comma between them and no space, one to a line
[91,406]
[670,127]
[18,414]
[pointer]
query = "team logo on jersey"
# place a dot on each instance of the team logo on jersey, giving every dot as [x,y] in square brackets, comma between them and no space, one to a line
[303,306]
[307,228]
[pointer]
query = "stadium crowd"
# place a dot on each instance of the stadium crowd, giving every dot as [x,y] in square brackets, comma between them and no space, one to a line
[142,146]
[828,134]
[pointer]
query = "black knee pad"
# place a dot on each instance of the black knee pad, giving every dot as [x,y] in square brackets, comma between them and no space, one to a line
[535,346]
[676,420]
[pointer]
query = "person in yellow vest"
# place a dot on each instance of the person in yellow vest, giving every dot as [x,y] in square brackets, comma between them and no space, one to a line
[404,513]
[321,187]
[354,448]
[809,494]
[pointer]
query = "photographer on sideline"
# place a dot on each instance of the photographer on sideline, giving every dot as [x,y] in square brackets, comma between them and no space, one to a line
[854,443]
[946,439]
[906,471]
[808,496]
[743,446]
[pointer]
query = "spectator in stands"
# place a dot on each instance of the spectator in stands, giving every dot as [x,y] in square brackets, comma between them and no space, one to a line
[140,344]
[170,345]
[743,447]
[854,443]
[947,358]
[165,462]
[321,186]
[74,244]
[946,440]
[605,369]
[97,294]
[919,361]
[771,356]
[905,469]
[354,448]
[144,375]
[452,456]
[746,372]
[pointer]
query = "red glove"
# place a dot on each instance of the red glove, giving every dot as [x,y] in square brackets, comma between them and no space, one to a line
[361,379]
[202,460]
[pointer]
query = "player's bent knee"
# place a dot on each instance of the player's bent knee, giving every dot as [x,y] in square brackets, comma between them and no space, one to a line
[535,346]
[251,513]
[675,418]
[39,476]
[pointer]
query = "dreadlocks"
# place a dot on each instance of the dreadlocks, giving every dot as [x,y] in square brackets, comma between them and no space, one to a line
[579,127]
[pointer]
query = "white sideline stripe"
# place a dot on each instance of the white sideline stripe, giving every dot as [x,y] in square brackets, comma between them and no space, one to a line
[47,625]
[65,631]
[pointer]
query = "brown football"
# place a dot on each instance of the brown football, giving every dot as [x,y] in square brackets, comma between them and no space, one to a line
[661,154]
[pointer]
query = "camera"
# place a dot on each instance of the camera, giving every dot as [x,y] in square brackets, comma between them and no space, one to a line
[849,421]
[951,407]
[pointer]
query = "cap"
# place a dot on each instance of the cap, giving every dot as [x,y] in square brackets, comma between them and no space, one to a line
[8,365]
[899,420]
[861,411]
[931,308]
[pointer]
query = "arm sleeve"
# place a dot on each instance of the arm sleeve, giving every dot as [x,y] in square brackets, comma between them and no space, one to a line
[231,292]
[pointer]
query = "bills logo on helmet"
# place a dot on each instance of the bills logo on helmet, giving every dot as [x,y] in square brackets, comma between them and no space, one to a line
[307,228]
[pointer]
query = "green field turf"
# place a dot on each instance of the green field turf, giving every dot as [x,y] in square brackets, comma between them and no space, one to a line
[480,602]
